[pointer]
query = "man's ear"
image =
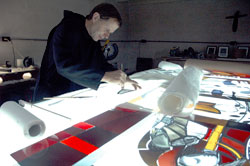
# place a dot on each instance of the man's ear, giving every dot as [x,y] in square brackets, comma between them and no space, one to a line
[96,17]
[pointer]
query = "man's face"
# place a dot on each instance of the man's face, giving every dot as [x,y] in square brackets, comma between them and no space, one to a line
[102,28]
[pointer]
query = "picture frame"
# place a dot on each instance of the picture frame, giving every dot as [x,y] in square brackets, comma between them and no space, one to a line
[211,50]
[245,51]
[223,51]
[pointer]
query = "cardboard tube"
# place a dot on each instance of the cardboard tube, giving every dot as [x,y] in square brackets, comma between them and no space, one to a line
[219,65]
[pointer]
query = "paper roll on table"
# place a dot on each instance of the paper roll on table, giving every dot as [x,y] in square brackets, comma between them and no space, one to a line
[181,95]
[169,66]
[20,121]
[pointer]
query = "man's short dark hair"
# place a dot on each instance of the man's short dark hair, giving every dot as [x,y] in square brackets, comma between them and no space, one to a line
[106,11]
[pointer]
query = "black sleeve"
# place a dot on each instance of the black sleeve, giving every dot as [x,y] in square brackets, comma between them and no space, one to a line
[108,67]
[65,39]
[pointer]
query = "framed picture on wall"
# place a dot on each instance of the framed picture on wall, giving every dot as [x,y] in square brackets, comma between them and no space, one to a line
[223,51]
[211,50]
[244,50]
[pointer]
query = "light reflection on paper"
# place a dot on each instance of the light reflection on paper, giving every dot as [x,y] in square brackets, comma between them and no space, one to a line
[104,99]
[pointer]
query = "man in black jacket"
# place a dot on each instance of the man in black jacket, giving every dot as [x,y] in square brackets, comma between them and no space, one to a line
[73,58]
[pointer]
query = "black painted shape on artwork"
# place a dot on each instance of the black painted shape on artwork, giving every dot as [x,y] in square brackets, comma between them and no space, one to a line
[235,18]
[240,126]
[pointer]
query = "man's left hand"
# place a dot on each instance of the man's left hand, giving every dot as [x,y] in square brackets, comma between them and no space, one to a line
[130,82]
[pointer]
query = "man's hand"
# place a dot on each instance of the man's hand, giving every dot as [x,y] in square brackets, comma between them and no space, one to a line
[120,78]
[130,82]
[117,77]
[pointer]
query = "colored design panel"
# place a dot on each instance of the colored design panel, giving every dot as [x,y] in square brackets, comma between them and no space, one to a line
[234,144]
[80,145]
[62,135]
[84,126]
[207,107]
[231,74]
[230,108]
[238,134]
[169,158]
[225,159]
[56,155]
[226,152]
[43,148]
[74,143]
[157,149]
[125,109]
[97,136]
[74,130]
[117,121]
[33,149]
[208,134]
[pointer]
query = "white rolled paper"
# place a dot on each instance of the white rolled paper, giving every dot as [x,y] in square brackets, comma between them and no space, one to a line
[169,66]
[181,95]
[20,121]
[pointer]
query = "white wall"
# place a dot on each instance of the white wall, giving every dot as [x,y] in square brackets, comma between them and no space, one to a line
[185,20]
[33,19]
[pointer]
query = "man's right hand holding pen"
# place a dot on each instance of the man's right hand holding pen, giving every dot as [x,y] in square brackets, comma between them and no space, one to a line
[120,78]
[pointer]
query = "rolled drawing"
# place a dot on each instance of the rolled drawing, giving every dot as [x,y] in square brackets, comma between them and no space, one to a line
[180,97]
[21,121]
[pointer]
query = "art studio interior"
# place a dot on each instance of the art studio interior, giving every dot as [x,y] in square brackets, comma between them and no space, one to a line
[125,82]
